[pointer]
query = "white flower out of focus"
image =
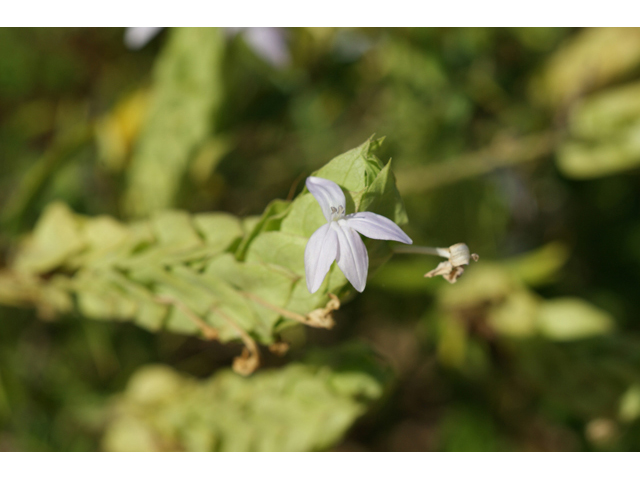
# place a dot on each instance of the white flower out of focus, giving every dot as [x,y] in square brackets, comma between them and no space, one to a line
[338,239]
[269,43]
[137,37]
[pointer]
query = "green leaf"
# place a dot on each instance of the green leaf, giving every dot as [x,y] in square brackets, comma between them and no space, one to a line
[382,197]
[101,299]
[356,169]
[301,407]
[54,240]
[280,248]
[264,282]
[604,134]
[305,217]
[539,266]
[186,92]
[591,59]
[174,228]
[604,114]
[287,250]
[206,274]
[517,315]
[572,319]
[219,230]
[360,174]
[629,409]
[269,221]
[583,161]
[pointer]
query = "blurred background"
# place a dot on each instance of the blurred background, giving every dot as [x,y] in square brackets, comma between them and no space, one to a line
[522,143]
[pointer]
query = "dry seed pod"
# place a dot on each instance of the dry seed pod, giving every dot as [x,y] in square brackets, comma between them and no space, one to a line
[458,256]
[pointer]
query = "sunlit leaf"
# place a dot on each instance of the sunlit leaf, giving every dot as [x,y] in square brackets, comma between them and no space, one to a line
[571,319]
[208,274]
[300,407]
[186,92]
[630,404]
[538,266]
[593,58]
[517,315]
[604,134]
[54,240]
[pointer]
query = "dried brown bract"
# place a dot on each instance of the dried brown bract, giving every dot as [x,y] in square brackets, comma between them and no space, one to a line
[458,257]
[323,317]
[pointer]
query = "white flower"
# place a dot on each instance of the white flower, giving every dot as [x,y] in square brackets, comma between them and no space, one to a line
[338,239]
[269,43]
[137,37]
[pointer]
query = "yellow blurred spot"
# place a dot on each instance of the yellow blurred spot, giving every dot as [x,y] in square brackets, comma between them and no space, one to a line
[117,131]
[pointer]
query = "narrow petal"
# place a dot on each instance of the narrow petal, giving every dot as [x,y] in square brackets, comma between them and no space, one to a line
[327,193]
[376,226]
[353,259]
[321,251]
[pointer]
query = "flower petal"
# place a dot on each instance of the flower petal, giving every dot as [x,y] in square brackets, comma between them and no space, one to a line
[321,251]
[327,193]
[376,226]
[270,44]
[353,259]
[137,37]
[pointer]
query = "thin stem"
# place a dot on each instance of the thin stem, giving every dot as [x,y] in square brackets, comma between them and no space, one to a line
[318,318]
[285,313]
[207,330]
[419,250]
[502,152]
[249,361]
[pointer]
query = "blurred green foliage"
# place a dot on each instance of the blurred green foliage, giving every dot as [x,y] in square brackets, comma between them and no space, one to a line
[300,407]
[211,273]
[522,143]
[186,92]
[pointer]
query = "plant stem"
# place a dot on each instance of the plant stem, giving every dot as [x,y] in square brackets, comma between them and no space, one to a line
[208,331]
[502,152]
[419,250]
